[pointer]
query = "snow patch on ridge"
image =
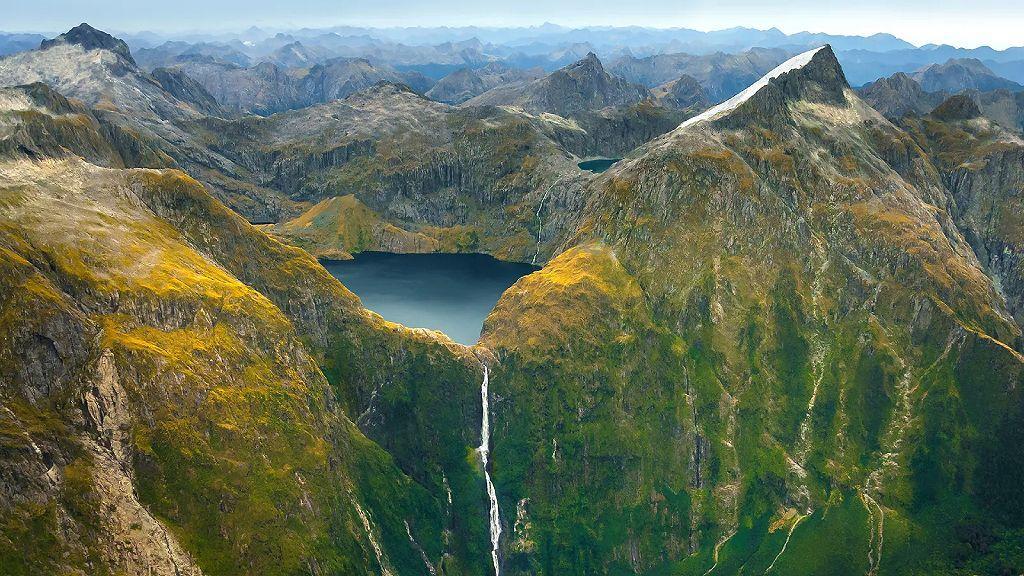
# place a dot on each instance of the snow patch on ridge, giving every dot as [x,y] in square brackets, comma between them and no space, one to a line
[794,63]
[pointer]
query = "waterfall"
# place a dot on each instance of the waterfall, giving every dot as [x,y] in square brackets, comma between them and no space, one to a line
[492,496]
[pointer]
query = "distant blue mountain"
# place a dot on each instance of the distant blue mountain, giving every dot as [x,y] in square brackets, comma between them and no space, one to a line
[11,43]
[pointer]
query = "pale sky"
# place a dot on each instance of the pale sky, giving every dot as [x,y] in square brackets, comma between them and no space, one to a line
[966,23]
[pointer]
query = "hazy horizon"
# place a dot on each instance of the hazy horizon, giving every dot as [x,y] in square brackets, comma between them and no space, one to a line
[958,23]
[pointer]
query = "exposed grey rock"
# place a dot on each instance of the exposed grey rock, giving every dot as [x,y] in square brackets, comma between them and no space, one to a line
[90,38]
[184,88]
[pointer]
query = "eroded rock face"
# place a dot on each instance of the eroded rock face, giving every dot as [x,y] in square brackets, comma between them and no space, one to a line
[137,541]
[982,166]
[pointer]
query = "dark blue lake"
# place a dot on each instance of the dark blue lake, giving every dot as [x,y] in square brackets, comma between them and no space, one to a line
[598,164]
[452,293]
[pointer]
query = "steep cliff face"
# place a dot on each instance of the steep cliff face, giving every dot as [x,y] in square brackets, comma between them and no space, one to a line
[261,89]
[165,398]
[983,168]
[683,93]
[483,179]
[899,95]
[186,89]
[773,342]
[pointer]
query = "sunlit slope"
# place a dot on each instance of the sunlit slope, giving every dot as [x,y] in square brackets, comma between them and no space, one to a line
[165,398]
[766,341]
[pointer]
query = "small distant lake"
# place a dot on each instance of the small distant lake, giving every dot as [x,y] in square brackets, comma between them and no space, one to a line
[597,164]
[452,293]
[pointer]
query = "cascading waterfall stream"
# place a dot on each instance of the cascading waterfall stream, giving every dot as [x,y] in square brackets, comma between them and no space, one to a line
[492,496]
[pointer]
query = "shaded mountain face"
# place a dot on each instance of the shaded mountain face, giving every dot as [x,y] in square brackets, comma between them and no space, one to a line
[581,86]
[753,343]
[961,74]
[186,89]
[683,93]
[466,83]
[262,89]
[90,38]
[898,95]
[720,75]
[268,88]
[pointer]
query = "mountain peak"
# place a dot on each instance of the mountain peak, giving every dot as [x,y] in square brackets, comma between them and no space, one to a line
[382,89]
[958,74]
[814,76]
[959,107]
[90,38]
[588,62]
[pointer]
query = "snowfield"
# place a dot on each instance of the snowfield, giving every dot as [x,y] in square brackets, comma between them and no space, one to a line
[798,61]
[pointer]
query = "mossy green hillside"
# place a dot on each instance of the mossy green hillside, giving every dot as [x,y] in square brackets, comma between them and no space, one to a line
[814,326]
[237,441]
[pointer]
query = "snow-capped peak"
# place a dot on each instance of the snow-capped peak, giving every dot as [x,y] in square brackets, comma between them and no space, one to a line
[794,63]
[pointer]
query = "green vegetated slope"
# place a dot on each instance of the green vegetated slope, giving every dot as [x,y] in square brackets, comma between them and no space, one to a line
[340,225]
[770,349]
[165,404]
[781,340]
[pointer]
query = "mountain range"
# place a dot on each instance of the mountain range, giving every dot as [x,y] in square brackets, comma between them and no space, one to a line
[780,334]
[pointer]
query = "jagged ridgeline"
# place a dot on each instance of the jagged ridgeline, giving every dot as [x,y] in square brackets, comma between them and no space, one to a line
[782,338]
